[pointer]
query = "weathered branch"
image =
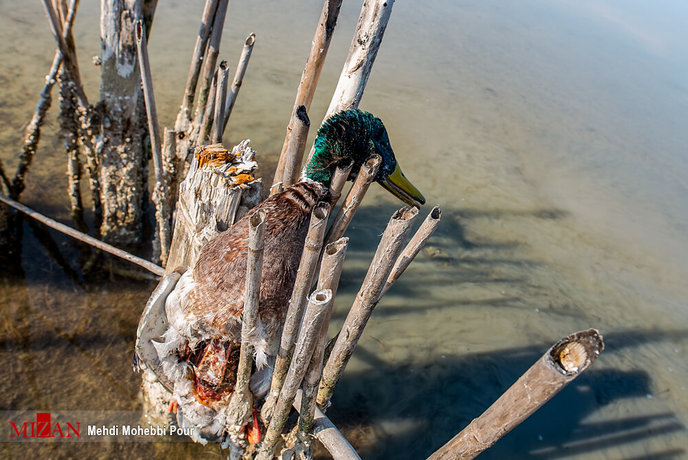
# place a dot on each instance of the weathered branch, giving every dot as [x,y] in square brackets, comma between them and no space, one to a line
[220,96]
[83,237]
[309,80]
[184,115]
[341,174]
[367,298]
[426,229]
[318,309]
[562,363]
[206,117]
[242,65]
[346,213]
[297,144]
[297,302]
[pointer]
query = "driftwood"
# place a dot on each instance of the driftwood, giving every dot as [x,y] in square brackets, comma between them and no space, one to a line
[318,310]
[238,78]
[83,237]
[367,298]
[365,177]
[302,285]
[562,363]
[309,81]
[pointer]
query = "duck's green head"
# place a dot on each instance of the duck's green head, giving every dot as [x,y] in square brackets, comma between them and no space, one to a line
[356,135]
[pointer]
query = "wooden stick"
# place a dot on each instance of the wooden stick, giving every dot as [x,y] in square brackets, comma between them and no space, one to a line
[319,304]
[311,74]
[83,237]
[238,77]
[220,96]
[426,229]
[241,405]
[184,115]
[365,44]
[562,363]
[297,302]
[328,278]
[367,298]
[297,144]
[206,117]
[341,174]
[211,56]
[346,213]
[33,130]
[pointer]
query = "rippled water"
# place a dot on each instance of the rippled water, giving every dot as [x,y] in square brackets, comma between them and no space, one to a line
[551,133]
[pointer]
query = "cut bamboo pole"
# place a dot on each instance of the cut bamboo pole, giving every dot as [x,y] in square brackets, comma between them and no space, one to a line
[161,188]
[426,229]
[346,213]
[365,44]
[297,302]
[238,77]
[184,115]
[220,96]
[297,144]
[150,266]
[341,174]
[367,298]
[210,60]
[33,129]
[309,77]
[328,278]
[562,363]
[319,305]
[241,404]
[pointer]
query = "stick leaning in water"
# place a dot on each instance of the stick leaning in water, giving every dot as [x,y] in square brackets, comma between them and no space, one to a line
[563,362]
[150,266]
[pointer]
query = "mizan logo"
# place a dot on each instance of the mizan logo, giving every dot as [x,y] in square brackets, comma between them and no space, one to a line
[43,428]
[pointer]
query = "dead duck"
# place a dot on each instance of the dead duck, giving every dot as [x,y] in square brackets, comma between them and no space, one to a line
[200,347]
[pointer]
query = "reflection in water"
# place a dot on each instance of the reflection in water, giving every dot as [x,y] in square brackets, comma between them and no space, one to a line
[552,141]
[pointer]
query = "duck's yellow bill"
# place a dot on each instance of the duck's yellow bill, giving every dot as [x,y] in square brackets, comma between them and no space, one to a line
[400,187]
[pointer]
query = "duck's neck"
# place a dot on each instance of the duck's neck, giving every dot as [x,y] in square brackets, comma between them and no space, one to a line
[322,164]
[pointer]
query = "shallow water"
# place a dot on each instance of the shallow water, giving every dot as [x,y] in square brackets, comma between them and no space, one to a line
[552,135]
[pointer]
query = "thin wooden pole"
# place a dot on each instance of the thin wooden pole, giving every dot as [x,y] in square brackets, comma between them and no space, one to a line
[319,304]
[367,298]
[309,77]
[426,229]
[297,144]
[346,213]
[220,96]
[562,363]
[150,266]
[302,285]
[241,405]
[341,174]
[184,115]
[365,44]
[238,77]
[211,56]
[206,116]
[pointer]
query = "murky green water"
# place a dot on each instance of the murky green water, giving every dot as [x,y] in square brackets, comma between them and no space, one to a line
[551,133]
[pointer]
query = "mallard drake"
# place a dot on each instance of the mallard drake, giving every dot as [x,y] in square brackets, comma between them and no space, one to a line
[204,310]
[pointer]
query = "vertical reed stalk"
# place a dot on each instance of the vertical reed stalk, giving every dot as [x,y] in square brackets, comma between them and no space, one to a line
[297,302]
[353,200]
[238,77]
[220,96]
[318,309]
[211,56]
[297,144]
[367,298]
[341,174]
[205,118]
[309,78]
[562,363]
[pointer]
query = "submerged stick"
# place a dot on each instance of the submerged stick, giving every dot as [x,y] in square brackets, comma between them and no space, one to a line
[297,302]
[319,304]
[184,115]
[426,229]
[297,144]
[328,278]
[150,266]
[562,363]
[309,77]
[240,405]
[238,77]
[220,96]
[353,200]
[367,298]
